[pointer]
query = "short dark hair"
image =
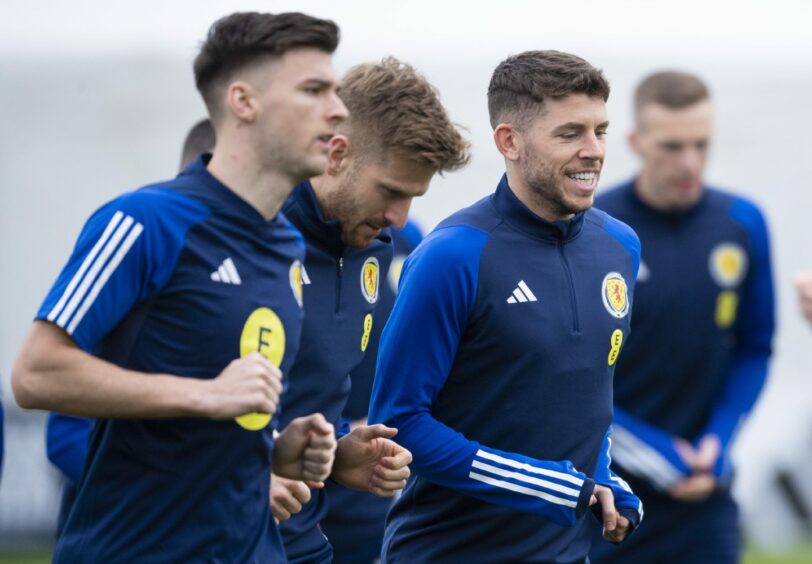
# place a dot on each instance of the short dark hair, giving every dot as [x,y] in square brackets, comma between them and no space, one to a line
[200,139]
[672,89]
[393,108]
[521,83]
[239,40]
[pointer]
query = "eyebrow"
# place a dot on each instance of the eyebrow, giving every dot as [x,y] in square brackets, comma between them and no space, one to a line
[578,126]
[392,188]
[319,82]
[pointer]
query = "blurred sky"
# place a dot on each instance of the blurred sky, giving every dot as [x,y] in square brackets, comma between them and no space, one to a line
[734,30]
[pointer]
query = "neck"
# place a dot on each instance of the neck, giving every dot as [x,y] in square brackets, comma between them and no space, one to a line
[646,190]
[238,167]
[535,203]
[321,186]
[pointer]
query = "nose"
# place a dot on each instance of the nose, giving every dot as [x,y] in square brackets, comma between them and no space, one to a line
[692,159]
[593,148]
[397,212]
[337,111]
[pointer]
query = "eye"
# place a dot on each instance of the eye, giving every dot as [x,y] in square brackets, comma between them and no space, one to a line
[568,135]
[601,133]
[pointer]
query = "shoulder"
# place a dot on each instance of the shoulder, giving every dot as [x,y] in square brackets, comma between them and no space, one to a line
[156,203]
[739,209]
[615,229]
[451,243]
[455,245]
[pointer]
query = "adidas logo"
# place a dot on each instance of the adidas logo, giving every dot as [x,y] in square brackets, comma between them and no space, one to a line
[522,294]
[227,273]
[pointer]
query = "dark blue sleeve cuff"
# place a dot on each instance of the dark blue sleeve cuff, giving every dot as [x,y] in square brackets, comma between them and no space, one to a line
[583,500]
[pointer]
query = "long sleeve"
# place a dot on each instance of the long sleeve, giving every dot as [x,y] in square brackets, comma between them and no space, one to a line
[435,299]
[628,504]
[646,451]
[753,331]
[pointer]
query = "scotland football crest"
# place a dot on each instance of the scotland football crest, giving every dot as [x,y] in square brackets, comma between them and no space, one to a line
[370,279]
[615,295]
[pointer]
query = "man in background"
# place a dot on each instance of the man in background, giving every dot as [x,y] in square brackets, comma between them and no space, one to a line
[803,282]
[703,326]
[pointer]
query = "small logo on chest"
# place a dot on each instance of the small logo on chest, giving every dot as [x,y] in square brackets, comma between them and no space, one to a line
[298,277]
[227,273]
[369,279]
[615,295]
[728,264]
[521,294]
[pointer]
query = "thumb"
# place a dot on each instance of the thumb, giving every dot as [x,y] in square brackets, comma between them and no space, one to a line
[378,431]
[707,453]
[686,451]
[316,423]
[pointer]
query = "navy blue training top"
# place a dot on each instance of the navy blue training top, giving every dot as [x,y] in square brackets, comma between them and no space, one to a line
[703,321]
[404,241]
[496,367]
[342,286]
[180,277]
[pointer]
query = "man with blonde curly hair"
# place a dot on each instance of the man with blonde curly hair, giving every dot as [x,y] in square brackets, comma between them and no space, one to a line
[397,137]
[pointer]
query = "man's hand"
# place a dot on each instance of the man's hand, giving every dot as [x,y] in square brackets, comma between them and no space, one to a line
[615,526]
[693,488]
[701,461]
[305,450]
[287,497]
[803,281]
[367,460]
[249,384]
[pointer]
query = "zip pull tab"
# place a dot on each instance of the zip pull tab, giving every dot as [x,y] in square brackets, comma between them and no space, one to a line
[341,263]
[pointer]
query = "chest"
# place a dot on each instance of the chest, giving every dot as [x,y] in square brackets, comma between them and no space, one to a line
[234,291]
[565,304]
[694,270]
[341,294]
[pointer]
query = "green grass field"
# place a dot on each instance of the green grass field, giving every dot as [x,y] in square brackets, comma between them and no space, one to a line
[802,555]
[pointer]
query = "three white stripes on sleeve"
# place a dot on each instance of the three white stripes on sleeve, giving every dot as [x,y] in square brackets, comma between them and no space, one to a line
[530,479]
[97,268]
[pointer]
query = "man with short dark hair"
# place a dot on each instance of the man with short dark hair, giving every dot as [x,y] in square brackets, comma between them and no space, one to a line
[66,437]
[179,310]
[398,135]
[496,364]
[703,321]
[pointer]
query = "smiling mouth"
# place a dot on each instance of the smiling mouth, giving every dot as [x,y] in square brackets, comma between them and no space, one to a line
[585,179]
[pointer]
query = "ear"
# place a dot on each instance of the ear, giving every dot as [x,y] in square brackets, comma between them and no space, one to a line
[241,101]
[508,141]
[634,141]
[339,150]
